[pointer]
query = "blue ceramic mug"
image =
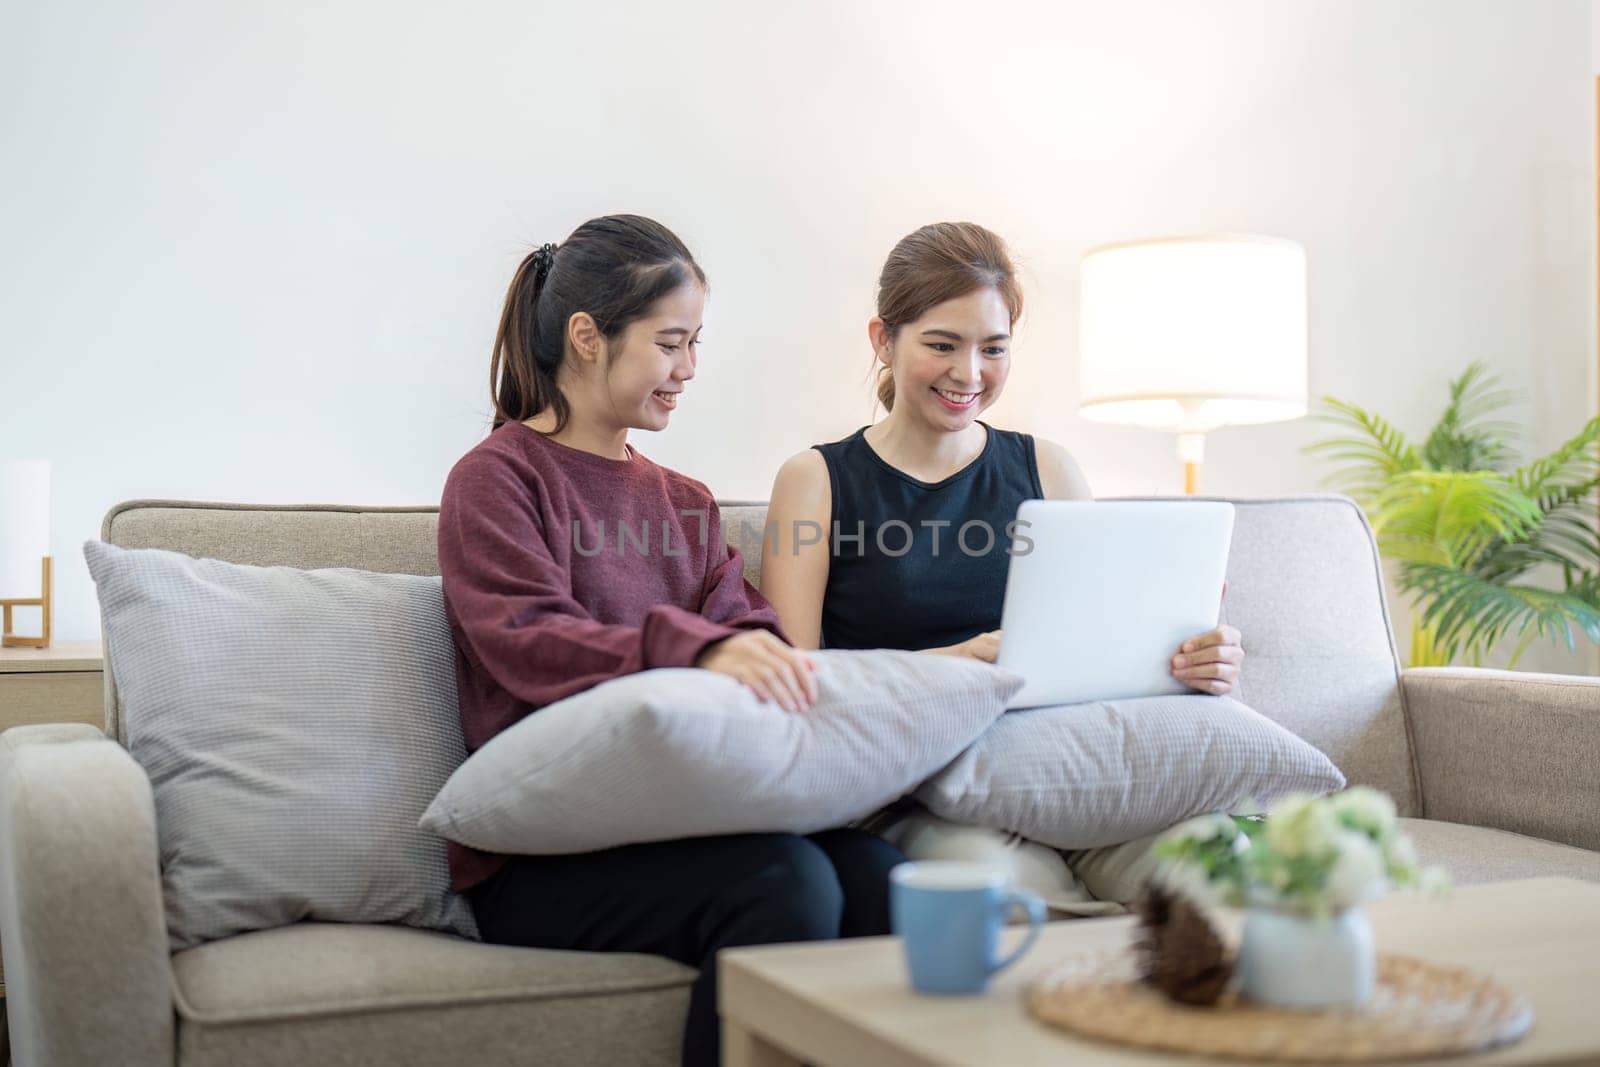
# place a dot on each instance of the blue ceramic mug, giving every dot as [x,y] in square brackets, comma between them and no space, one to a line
[950,914]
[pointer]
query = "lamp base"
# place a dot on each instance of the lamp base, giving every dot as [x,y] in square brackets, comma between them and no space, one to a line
[42,602]
[1191,451]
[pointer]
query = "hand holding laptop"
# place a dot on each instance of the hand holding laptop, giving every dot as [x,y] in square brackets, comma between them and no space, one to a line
[1210,662]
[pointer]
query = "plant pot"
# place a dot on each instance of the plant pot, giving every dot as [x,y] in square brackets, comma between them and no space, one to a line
[1296,961]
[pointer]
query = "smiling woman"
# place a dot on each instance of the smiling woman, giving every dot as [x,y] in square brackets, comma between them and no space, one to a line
[598,338]
[927,481]
[921,507]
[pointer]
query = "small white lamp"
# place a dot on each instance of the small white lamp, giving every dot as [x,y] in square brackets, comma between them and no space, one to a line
[1186,334]
[24,547]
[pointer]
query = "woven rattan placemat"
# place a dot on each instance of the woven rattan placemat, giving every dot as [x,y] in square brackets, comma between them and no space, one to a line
[1417,1009]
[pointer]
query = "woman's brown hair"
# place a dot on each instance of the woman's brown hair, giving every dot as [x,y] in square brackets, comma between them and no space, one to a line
[938,263]
[615,268]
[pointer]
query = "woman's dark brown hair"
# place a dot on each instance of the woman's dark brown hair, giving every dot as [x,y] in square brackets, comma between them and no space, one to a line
[938,263]
[615,268]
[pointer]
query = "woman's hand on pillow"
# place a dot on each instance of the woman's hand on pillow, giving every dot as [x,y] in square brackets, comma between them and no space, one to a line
[985,647]
[1211,661]
[772,669]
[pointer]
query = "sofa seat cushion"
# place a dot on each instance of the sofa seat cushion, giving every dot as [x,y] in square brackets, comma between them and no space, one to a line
[1474,854]
[356,994]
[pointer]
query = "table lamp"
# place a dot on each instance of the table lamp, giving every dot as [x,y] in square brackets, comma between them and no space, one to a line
[24,547]
[1186,334]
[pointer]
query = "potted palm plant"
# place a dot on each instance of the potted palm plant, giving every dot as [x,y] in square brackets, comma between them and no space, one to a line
[1468,527]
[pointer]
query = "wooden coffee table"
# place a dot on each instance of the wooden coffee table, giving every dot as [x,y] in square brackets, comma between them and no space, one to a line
[847,1003]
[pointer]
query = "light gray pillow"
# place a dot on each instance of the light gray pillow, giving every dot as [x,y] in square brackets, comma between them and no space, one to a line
[294,725]
[1105,772]
[676,752]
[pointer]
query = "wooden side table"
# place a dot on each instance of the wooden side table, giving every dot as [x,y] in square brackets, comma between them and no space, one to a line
[62,683]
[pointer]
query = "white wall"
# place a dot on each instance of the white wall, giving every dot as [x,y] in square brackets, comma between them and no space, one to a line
[255,251]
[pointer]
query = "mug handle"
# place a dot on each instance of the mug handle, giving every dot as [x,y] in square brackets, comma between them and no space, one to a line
[1036,916]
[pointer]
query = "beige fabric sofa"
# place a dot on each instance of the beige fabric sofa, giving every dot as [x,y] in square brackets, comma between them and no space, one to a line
[1495,770]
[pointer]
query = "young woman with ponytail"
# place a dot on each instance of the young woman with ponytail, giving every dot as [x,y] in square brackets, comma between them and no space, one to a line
[599,337]
[920,504]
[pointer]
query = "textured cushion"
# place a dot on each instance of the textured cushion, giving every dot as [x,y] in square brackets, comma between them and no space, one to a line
[354,994]
[294,725]
[1473,854]
[678,752]
[1105,772]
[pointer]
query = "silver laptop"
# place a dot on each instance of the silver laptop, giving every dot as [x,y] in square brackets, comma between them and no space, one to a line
[1100,595]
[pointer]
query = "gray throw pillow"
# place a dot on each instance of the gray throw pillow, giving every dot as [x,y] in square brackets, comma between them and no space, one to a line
[294,725]
[1101,773]
[677,752]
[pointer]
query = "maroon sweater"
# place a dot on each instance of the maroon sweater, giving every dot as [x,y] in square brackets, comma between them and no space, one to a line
[537,615]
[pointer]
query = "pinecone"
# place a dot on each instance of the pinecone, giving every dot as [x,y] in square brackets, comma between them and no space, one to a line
[1179,953]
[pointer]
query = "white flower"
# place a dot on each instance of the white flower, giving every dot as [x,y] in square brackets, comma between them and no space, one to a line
[1301,825]
[1399,853]
[1364,808]
[1357,873]
[1203,828]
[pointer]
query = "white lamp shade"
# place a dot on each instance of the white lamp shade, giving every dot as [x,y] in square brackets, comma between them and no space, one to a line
[24,525]
[1192,333]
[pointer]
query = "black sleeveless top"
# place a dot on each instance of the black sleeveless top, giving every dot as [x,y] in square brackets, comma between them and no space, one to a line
[919,564]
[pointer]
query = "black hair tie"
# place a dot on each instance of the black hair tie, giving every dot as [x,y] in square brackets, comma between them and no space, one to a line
[543,260]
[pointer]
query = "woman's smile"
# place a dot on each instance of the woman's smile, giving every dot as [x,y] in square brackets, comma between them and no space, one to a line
[956,400]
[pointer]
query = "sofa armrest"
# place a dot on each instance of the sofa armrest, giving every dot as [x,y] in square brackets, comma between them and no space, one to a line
[1509,750]
[82,926]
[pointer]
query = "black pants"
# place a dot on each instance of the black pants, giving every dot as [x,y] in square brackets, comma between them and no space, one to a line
[686,899]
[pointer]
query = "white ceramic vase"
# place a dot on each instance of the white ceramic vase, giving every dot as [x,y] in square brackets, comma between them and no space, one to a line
[1295,961]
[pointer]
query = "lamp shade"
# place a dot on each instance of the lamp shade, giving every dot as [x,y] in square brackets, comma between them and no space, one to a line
[1191,333]
[24,525]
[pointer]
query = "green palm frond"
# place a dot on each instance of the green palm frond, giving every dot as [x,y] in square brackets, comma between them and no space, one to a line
[1471,614]
[1377,451]
[1449,517]
[1575,537]
[1464,438]
[1575,464]
[1566,537]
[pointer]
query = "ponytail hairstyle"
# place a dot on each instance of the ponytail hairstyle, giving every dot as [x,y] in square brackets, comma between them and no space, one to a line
[615,268]
[938,263]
